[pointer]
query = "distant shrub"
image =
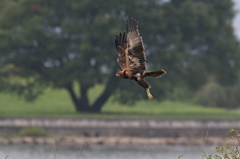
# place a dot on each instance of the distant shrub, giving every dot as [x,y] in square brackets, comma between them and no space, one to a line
[180,93]
[33,131]
[213,94]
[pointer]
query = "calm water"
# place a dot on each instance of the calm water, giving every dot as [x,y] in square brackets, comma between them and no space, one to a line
[101,152]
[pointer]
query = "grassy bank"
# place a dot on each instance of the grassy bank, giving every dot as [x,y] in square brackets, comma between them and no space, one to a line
[56,103]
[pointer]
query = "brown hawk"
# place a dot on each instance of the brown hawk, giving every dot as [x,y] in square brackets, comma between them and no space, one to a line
[131,57]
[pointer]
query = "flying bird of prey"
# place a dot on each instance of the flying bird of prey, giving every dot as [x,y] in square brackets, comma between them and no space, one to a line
[131,57]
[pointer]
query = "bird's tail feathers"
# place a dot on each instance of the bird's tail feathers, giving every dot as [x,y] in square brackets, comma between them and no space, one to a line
[155,74]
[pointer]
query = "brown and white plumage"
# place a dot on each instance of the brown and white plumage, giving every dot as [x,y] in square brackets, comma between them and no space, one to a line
[131,56]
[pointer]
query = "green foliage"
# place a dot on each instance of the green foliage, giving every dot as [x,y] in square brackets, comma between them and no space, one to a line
[33,131]
[13,82]
[215,95]
[227,151]
[180,156]
[180,93]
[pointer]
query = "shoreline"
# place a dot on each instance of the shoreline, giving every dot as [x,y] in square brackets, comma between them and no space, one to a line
[113,141]
[148,128]
[114,132]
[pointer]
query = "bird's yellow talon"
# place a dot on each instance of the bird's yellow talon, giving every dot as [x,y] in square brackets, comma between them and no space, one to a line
[149,94]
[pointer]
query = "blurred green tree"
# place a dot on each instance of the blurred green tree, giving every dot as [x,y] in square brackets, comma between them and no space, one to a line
[59,43]
[53,43]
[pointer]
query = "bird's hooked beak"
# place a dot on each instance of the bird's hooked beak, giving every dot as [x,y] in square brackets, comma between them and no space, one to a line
[119,74]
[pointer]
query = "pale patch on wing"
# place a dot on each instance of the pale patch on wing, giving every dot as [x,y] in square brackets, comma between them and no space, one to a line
[134,63]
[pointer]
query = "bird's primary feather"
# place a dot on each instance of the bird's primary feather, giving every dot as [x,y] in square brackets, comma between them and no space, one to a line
[135,46]
[130,48]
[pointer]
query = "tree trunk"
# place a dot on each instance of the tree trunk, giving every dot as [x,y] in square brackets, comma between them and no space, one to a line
[109,89]
[82,103]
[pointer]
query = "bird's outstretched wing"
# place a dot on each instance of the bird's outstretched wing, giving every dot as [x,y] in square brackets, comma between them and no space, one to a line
[137,59]
[122,50]
[130,48]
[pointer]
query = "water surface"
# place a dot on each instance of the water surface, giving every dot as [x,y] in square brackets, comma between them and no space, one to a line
[101,152]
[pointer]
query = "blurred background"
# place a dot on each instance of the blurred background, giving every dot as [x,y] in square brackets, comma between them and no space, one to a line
[58,59]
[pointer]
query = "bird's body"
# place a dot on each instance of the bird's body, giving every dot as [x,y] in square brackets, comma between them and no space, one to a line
[131,57]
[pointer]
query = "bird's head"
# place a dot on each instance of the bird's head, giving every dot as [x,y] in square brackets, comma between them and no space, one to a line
[119,74]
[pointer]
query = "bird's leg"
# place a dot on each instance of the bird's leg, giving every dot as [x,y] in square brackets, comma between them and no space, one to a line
[149,94]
